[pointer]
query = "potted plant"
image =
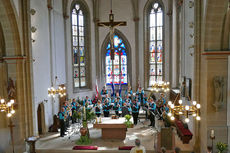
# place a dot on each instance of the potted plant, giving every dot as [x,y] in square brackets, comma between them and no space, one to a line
[127,122]
[221,147]
[88,115]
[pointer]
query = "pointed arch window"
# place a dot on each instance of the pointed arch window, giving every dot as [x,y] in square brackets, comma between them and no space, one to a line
[156,52]
[116,70]
[80,45]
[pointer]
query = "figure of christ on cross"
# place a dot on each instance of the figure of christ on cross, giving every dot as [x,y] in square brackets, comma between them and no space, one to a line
[111,24]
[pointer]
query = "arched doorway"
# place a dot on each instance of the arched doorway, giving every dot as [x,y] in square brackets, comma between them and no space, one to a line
[41,119]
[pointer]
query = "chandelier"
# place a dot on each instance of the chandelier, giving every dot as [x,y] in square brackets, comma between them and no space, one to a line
[61,91]
[7,107]
[193,108]
[160,86]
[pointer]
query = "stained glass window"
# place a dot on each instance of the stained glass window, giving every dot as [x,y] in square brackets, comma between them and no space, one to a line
[155,44]
[116,70]
[78,43]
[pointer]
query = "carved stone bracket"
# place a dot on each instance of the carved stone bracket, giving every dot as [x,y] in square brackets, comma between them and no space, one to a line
[136,19]
[65,16]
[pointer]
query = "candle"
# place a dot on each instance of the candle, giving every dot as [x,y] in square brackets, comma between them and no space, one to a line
[84,113]
[212,133]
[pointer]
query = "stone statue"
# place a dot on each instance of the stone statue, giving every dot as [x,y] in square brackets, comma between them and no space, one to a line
[11,89]
[218,83]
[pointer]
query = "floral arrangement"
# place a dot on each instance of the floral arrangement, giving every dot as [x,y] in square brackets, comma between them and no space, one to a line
[127,122]
[221,147]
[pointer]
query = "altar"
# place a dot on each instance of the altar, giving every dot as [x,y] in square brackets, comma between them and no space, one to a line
[112,128]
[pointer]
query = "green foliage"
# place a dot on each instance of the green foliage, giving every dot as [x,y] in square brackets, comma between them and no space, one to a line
[221,146]
[90,115]
[76,115]
[85,124]
[127,122]
[127,117]
[84,140]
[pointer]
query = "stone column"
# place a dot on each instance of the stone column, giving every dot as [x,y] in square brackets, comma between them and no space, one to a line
[50,18]
[97,52]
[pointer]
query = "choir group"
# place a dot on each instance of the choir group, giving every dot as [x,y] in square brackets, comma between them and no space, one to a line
[130,104]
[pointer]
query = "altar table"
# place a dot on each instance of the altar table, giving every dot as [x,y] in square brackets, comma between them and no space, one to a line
[112,128]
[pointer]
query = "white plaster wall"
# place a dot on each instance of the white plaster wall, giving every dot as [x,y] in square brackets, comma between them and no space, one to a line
[41,55]
[122,10]
[88,92]
[187,53]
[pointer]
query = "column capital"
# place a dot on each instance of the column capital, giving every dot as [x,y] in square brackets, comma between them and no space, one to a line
[136,19]
[50,7]
[96,20]
[65,16]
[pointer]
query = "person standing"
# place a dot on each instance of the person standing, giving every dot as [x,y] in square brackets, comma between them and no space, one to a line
[140,93]
[135,111]
[138,147]
[104,92]
[106,108]
[98,108]
[152,109]
[61,116]
[124,110]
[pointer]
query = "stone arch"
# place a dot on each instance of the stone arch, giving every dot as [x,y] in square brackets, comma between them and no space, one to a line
[10,28]
[87,19]
[226,31]
[214,22]
[129,56]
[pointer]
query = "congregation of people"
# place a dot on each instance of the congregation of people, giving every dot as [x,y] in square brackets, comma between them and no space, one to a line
[130,104]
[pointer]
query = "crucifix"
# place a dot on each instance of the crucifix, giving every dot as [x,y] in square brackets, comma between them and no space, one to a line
[112,24]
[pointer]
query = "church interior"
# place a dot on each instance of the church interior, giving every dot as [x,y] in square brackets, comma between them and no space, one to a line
[106,75]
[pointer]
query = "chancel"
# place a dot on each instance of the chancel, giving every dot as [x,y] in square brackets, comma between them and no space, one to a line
[114,76]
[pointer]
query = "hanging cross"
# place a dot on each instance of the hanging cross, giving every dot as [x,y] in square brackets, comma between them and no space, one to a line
[112,24]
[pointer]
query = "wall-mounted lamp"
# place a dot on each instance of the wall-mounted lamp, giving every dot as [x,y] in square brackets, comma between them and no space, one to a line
[192,46]
[191,4]
[191,24]
[32,11]
[33,29]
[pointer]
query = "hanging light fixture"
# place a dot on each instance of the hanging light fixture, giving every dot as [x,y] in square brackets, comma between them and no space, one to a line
[190,109]
[161,86]
[7,107]
[61,90]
